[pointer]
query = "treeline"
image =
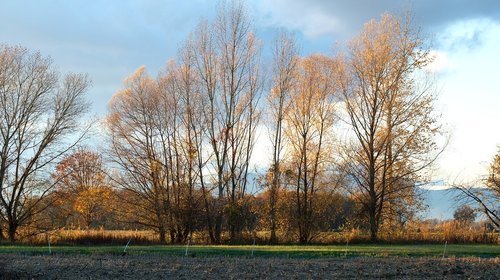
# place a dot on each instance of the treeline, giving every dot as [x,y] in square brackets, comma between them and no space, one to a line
[352,135]
[99,206]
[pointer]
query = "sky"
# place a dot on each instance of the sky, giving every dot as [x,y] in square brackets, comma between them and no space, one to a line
[110,39]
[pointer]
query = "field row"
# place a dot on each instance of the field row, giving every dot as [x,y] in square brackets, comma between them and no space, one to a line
[155,266]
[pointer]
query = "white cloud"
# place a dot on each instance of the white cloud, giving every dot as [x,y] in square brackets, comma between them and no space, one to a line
[469,99]
[436,186]
[466,34]
[441,62]
[261,156]
[297,16]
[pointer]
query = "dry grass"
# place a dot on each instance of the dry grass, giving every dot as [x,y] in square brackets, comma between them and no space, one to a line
[416,233]
[94,237]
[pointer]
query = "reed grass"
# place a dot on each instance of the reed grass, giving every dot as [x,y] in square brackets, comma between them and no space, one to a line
[418,233]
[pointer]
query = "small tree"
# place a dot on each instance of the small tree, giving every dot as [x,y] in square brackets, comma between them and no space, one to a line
[464,214]
[82,182]
[487,198]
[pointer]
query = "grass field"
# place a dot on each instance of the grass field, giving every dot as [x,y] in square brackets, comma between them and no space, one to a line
[357,250]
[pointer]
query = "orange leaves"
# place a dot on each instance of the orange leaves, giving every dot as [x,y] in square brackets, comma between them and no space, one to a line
[94,202]
[82,184]
[80,170]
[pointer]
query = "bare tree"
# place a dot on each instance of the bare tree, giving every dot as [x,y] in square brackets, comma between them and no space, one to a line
[192,128]
[488,197]
[284,72]
[39,116]
[180,89]
[227,64]
[201,49]
[493,180]
[391,114]
[155,129]
[309,122]
[155,121]
[197,82]
[137,125]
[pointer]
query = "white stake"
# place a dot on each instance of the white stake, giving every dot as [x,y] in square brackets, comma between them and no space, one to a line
[253,248]
[187,246]
[126,246]
[50,250]
[445,244]
[346,247]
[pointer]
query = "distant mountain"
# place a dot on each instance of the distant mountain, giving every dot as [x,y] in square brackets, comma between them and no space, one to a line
[442,203]
[441,200]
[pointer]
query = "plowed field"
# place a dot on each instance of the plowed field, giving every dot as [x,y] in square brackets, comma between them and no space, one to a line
[20,266]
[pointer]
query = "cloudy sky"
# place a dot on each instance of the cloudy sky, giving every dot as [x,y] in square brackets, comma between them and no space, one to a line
[110,39]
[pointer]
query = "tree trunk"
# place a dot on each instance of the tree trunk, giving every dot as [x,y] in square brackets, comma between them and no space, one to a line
[171,231]
[88,222]
[373,225]
[304,235]
[208,212]
[274,196]
[274,239]
[218,226]
[162,235]
[208,218]
[233,234]
[12,232]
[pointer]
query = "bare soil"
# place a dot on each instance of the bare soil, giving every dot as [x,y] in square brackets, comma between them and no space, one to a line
[18,266]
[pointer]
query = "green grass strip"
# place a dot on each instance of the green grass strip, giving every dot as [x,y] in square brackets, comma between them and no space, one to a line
[285,251]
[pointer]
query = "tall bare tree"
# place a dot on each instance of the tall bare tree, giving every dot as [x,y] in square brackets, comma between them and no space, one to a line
[137,125]
[200,48]
[180,88]
[309,122]
[284,71]
[191,136]
[391,112]
[227,64]
[39,117]
[197,79]
[155,129]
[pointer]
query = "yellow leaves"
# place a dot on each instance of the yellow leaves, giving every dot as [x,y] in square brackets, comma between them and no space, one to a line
[92,203]
[139,72]
[82,185]
[117,97]
[192,151]
[386,47]
[313,92]
[156,166]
